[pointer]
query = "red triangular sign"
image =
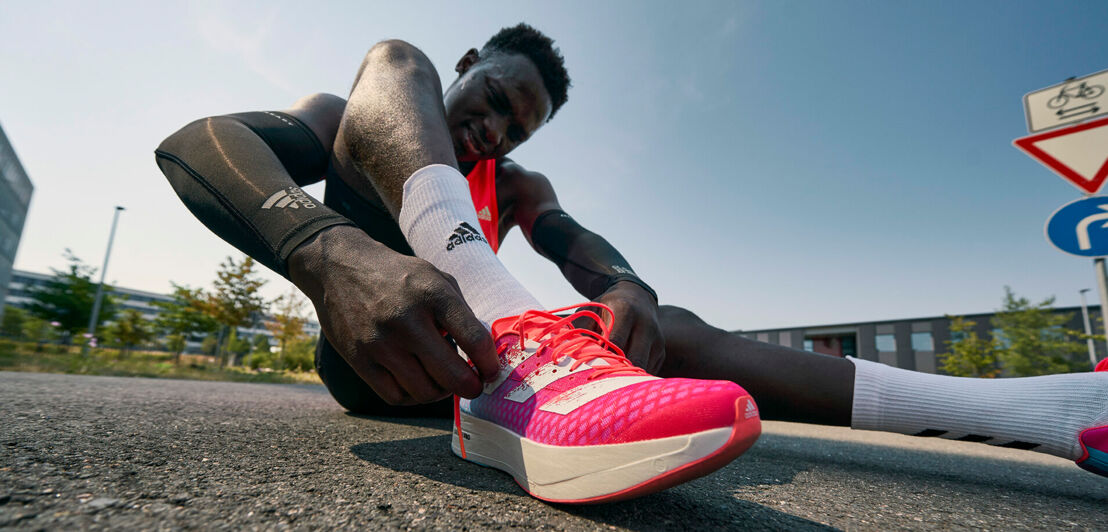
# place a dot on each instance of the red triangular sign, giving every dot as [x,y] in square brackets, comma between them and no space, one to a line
[1077,153]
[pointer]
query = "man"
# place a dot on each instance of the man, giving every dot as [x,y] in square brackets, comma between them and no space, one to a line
[394,157]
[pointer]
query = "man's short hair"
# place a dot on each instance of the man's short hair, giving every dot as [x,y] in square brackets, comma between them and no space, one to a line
[526,40]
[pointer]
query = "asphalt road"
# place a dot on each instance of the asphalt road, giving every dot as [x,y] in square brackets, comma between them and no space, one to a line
[100,452]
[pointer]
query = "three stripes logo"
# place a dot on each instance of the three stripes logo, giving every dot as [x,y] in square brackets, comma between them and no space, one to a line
[292,198]
[751,409]
[464,233]
[484,214]
[977,438]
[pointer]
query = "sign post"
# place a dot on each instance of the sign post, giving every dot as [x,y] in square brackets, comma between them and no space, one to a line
[1102,283]
[1088,326]
[1066,140]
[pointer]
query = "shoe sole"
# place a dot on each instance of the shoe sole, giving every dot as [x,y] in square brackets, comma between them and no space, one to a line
[1095,460]
[606,473]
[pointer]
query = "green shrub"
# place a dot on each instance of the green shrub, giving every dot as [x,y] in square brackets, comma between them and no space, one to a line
[260,359]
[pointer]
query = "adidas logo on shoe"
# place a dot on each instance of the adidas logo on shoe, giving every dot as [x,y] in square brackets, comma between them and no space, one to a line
[484,214]
[751,410]
[462,234]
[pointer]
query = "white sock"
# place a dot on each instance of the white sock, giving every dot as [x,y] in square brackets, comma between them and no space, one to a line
[439,221]
[1046,412]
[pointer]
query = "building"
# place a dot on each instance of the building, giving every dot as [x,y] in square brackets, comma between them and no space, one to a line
[909,344]
[15,198]
[23,282]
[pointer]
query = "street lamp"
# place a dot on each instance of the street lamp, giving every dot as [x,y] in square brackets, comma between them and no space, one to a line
[1088,327]
[100,289]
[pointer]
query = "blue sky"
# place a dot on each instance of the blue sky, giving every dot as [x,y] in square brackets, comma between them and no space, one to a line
[765,164]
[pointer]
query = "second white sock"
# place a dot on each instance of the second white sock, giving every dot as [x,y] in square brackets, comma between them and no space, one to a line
[1044,414]
[438,219]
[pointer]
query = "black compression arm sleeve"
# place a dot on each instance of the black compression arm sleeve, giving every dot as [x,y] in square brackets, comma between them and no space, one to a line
[239,174]
[588,261]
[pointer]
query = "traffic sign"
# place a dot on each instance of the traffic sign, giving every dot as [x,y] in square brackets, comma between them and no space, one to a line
[1073,100]
[1077,153]
[1080,227]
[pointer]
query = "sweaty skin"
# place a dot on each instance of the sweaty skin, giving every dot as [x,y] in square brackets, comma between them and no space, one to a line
[384,311]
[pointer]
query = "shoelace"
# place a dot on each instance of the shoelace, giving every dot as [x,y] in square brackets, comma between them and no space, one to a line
[582,345]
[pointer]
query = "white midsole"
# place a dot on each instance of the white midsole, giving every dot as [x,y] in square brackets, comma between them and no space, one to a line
[581,472]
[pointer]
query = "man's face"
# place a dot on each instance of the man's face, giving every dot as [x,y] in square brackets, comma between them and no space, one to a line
[496,104]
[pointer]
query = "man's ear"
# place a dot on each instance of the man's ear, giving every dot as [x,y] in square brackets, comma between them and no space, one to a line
[467,61]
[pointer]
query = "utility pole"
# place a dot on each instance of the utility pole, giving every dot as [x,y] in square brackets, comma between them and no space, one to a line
[1088,327]
[1102,283]
[92,319]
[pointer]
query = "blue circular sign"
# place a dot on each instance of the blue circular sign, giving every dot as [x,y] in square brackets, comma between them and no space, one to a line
[1080,227]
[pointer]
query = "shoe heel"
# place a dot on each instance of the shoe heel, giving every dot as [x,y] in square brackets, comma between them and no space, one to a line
[1096,460]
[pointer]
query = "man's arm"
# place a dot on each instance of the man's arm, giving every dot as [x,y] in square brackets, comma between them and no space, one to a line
[241,174]
[591,264]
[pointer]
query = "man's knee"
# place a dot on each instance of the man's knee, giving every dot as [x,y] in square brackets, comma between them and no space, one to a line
[395,54]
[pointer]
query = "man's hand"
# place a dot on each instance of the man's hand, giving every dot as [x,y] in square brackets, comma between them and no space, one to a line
[387,314]
[636,329]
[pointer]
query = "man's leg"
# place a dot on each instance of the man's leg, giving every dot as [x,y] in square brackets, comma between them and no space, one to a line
[394,134]
[1045,414]
[355,395]
[789,385]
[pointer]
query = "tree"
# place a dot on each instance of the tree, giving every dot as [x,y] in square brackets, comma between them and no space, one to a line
[68,297]
[129,330]
[12,324]
[1033,340]
[288,321]
[183,317]
[234,298]
[261,344]
[970,355]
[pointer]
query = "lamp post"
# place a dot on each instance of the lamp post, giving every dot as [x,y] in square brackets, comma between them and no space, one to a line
[1088,327]
[92,319]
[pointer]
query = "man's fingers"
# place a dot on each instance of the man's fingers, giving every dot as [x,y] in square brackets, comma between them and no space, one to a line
[413,378]
[638,348]
[442,362]
[621,332]
[657,356]
[455,317]
[383,384]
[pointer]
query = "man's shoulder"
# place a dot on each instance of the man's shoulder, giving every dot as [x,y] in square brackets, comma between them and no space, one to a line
[524,186]
[509,169]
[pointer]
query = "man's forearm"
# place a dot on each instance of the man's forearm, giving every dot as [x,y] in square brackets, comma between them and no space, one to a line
[588,261]
[231,179]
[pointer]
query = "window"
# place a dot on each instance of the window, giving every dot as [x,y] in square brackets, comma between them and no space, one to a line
[808,345]
[885,343]
[922,341]
[999,336]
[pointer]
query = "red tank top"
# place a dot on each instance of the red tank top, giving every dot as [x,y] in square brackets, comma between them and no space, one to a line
[482,186]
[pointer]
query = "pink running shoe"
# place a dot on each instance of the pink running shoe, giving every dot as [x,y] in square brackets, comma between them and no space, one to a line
[1094,441]
[573,421]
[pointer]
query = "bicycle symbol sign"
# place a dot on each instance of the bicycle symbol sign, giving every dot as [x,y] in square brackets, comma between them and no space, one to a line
[1073,100]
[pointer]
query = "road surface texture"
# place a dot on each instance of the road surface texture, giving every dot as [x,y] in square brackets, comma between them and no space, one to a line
[105,452]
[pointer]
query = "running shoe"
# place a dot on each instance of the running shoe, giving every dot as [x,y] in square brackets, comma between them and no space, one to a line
[573,421]
[1094,442]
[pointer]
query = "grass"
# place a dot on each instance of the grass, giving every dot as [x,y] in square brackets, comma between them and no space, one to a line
[50,358]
